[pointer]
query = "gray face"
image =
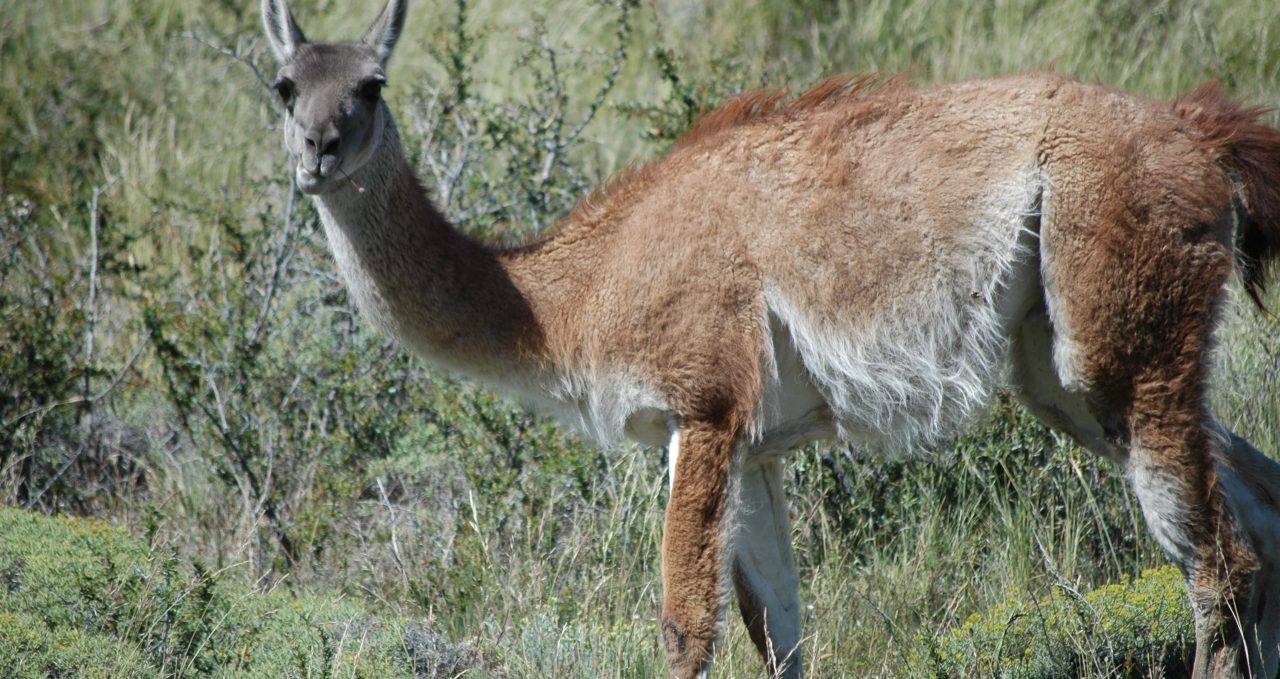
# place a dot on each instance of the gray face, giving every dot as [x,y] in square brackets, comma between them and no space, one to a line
[334,113]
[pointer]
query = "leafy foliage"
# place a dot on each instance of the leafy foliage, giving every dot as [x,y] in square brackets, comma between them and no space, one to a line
[80,598]
[1131,629]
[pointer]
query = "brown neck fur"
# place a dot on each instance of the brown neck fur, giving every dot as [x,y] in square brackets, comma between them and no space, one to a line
[448,297]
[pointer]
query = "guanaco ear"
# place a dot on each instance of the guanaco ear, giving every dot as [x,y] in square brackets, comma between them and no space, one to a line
[282,31]
[384,32]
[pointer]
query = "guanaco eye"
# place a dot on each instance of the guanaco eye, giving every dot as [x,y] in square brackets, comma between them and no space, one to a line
[371,88]
[286,90]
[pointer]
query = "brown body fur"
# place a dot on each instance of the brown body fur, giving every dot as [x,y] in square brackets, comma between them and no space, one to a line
[778,230]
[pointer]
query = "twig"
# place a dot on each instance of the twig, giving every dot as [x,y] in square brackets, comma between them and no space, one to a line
[395,545]
[278,265]
[93,398]
[240,54]
[619,57]
[90,306]
[90,399]
[555,144]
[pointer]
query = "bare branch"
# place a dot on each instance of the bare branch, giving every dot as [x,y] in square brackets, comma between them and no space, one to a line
[283,252]
[242,53]
[91,305]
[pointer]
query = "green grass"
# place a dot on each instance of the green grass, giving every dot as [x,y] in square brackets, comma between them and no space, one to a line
[199,380]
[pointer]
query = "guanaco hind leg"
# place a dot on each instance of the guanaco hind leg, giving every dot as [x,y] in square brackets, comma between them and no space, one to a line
[1132,297]
[764,569]
[1250,482]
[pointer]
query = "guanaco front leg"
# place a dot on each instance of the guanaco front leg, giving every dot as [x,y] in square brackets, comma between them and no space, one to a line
[764,569]
[696,547]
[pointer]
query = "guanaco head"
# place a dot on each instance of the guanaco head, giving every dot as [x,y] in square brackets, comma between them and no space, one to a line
[332,94]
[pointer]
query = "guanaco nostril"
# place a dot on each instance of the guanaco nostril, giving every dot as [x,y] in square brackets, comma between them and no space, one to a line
[330,147]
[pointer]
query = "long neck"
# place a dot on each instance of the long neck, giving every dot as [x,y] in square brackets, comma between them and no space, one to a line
[448,298]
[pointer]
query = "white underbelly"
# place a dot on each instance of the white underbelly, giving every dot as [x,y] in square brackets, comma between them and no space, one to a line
[792,410]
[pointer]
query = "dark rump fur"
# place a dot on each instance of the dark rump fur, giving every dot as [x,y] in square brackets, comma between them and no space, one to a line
[1252,155]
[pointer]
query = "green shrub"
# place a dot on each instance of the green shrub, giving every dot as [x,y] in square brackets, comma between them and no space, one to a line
[1139,628]
[80,598]
[29,648]
[40,352]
